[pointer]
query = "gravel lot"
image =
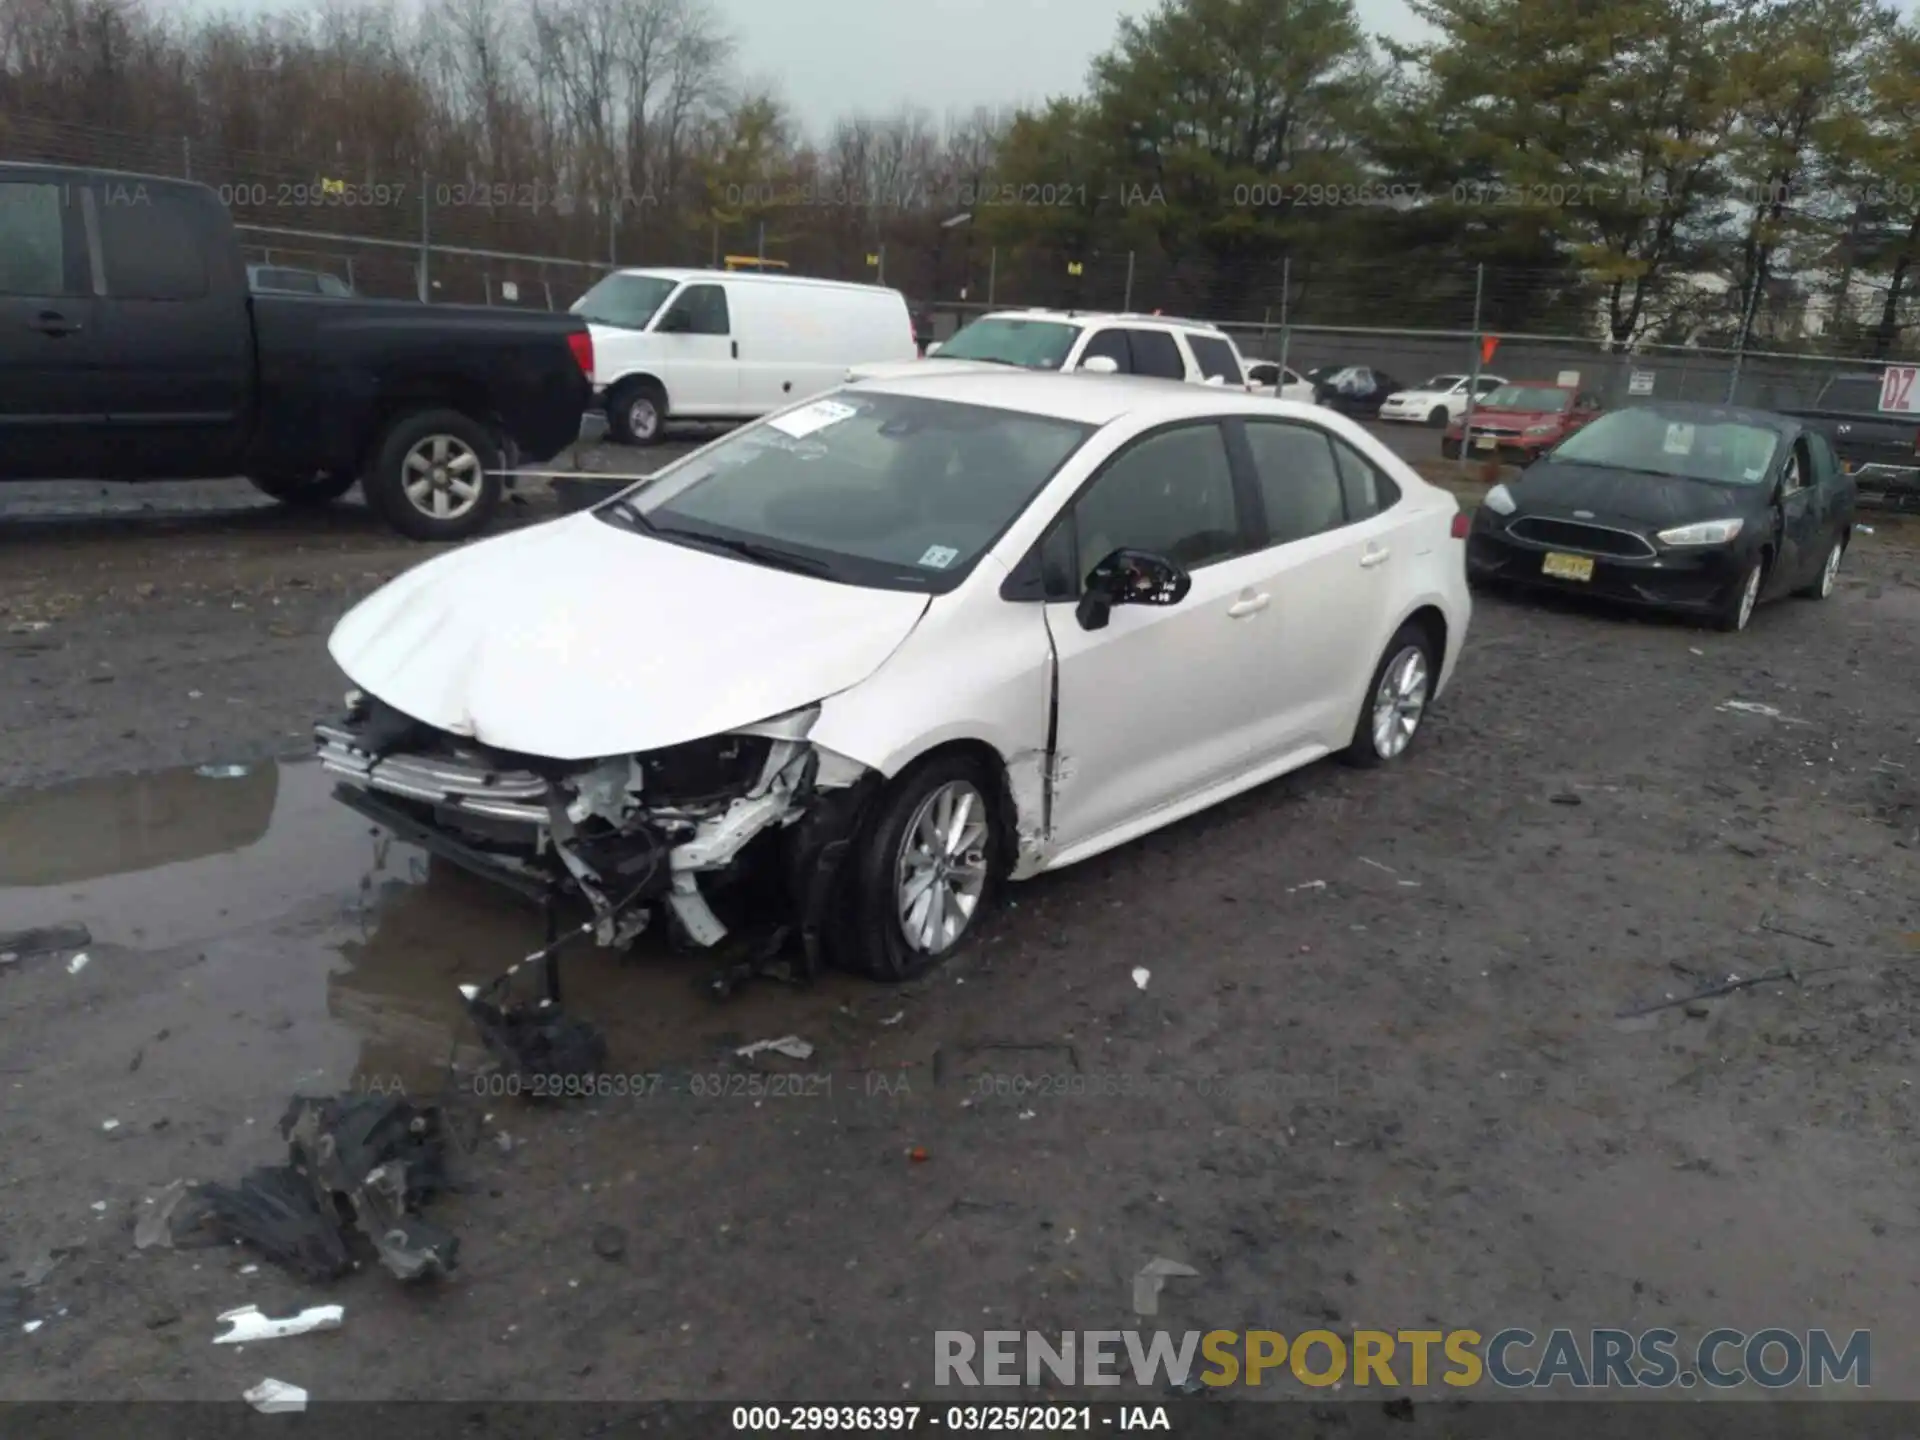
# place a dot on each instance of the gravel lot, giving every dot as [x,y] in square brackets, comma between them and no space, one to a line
[1396,1098]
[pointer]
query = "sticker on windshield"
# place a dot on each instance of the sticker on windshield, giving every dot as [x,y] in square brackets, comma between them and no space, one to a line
[1679,439]
[1756,472]
[939,557]
[809,418]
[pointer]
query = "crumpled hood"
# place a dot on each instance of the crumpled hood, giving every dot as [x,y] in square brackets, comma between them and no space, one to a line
[575,640]
[932,365]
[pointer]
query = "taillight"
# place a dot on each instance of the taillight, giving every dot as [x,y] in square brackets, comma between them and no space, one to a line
[581,343]
[1460,524]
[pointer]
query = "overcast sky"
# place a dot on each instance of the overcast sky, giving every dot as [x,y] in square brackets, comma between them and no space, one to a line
[829,57]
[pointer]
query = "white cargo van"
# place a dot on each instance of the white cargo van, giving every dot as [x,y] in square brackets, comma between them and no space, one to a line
[722,345]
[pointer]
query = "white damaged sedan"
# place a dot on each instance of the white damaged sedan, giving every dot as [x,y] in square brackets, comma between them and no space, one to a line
[860,662]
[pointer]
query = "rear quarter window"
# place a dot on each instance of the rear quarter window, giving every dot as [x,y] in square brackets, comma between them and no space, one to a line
[1215,358]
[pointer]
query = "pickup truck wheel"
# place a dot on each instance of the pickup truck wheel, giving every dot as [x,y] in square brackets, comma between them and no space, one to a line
[637,413]
[303,492]
[436,476]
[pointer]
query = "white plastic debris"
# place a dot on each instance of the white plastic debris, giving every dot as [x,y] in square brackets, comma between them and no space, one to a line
[1378,866]
[250,1325]
[249,1269]
[109,1124]
[32,1325]
[894,1019]
[792,1046]
[1864,529]
[1752,707]
[1307,885]
[79,963]
[155,1225]
[1141,975]
[276,1397]
[100,1207]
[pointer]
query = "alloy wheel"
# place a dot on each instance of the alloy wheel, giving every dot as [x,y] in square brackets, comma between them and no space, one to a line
[941,871]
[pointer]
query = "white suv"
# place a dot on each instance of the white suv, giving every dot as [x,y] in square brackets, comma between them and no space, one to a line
[1154,345]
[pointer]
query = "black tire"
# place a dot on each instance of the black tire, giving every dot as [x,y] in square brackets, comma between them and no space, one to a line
[869,937]
[1438,417]
[1363,751]
[628,405]
[308,492]
[1735,613]
[422,433]
[1450,449]
[1823,584]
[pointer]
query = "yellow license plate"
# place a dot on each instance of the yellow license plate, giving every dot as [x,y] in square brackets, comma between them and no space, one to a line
[1485,442]
[1568,567]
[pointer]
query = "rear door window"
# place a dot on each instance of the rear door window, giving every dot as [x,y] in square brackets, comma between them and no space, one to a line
[151,245]
[1367,490]
[1215,358]
[1110,345]
[1300,483]
[1155,353]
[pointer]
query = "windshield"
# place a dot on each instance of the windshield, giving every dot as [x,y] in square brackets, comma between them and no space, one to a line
[1527,397]
[1442,383]
[1724,452]
[628,301]
[1030,344]
[893,491]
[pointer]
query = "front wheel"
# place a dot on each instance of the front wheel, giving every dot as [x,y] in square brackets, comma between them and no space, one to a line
[303,492]
[1829,575]
[436,476]
[1736,611]
[926,869]
[1438,417]
[1397,700]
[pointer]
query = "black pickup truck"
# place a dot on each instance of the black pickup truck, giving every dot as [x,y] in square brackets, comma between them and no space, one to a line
[1881,450]
[133,348]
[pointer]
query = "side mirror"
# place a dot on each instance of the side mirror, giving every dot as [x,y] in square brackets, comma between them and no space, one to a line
[1130,577]
[1100,365]
[675,322]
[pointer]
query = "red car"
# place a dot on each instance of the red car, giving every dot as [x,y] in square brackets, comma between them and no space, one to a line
[1521,420]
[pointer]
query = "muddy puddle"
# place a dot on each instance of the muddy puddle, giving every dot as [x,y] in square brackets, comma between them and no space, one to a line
[253,937]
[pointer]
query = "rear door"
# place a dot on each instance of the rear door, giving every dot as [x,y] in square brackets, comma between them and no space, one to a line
[52,408]
[1156,353]
[176,331]
[699,354]
[1216,358]
[1327,521]
[1799,522]
[1107,344]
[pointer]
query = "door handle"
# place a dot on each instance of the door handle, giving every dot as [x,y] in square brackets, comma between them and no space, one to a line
[1375,557]
[736,349]
[1252,605]
[52,322]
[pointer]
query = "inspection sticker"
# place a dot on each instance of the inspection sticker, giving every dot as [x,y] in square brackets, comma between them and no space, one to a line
[1679,440]
[939,557]
[809,418]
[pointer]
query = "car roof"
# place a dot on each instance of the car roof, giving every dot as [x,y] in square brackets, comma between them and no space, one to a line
[677,273]
[1701,412]
[1082,398]
[1089,317]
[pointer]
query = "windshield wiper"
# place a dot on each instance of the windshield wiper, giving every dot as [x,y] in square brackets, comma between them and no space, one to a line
[755,550]
[628,515]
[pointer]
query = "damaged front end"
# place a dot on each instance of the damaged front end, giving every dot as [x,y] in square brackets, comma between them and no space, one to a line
[751,823]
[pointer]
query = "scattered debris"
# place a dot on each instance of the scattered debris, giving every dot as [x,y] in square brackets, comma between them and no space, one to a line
[609,1242]
[109,1124]
[1698,1009]
[224,772]
[1754,707]
[1153,1278]
[1695,650]
[44,940]
[27,627]
[1028,1114]
[32,1325]
[918,1155]
[1565,797]
[1308,885]
[536,1040]
[1727,987]
[362,1160]
[78,963]
[1141,975]
[100,1207]
[895,1018]
[1864,529]
[155,1226]
[792,1046]
[1378,866]
[276,1397]
[505,1142]
[249,1325]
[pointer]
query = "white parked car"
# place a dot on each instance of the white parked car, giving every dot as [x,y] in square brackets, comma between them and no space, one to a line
[1065,340]
[1437,400]
[901,643]
[1265,376]
[725,345]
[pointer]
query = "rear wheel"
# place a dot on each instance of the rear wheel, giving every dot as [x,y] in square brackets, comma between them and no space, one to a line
[1736,611]
[1396,701]
[1829,575]
[925,871]
[436,476]
[303,492]
[637,412]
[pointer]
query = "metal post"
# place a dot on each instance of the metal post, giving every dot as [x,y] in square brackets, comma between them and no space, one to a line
[426,236]
[1473,378]
[352,284]
[714,263]
[1127,304]
[881,255]
[1286,285]
[613,234]
[993,269]
[186,156]
[1740,346]
[761,253]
